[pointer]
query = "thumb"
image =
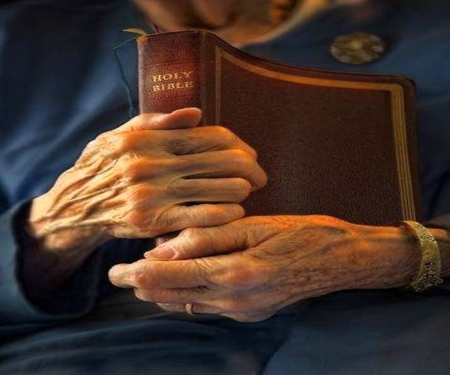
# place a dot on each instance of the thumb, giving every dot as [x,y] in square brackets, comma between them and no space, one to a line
[180,119]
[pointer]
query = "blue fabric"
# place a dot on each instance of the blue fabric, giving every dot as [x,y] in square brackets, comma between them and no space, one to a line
[162,347]
[61,84]
[370,333]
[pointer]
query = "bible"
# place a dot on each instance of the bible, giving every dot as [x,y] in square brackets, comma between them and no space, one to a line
[332,143]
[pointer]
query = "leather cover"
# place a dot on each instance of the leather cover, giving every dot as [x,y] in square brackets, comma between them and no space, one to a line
[332,143]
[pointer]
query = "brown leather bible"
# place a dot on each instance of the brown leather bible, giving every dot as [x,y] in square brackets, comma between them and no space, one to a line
[332,143]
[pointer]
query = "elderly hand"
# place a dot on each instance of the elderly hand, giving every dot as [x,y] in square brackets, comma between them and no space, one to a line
[249,269]
[140,181]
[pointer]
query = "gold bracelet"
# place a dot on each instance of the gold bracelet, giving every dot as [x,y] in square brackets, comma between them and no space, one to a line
[429,274]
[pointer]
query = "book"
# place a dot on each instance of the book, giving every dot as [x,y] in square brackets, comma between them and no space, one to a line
[332,143]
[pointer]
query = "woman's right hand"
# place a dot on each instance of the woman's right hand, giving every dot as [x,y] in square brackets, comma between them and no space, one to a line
[141,180]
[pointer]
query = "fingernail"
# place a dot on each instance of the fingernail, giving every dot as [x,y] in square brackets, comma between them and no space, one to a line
[163,251]
[183,109]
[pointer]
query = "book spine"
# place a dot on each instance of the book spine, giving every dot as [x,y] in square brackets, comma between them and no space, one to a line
[169,76]
[169,72]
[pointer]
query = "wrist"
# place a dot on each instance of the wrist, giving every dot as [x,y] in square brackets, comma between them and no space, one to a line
[50,252]
[429,271]
[394,256]
[390,256]
[53,233]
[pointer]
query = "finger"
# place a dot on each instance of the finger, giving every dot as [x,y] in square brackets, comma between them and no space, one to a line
[202,309]
[205,138]
[177,141]
[203,242]
[203,215]
[229,163]
[210,277]
[226,190]
[119,140]
[180,217]
[239,235]
[198,153]
[147,274]
[208,302]
[138,222]
[197,308]
[176,295]
[179,119]
[187,191]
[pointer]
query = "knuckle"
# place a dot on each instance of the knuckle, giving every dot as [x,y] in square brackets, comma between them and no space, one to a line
[179,146]
[135,168]
[263,180]
[144,118]
[225,134]
[222,131]
[122,143]
[253,152]
[202,289]
[241,188]
[140,280]
[196,237]
[126,167]
[240,155]
[92,145]
[327,220]
[241,159]
[240,278]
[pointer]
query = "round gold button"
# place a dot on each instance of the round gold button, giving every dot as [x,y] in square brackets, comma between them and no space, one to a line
[357,48]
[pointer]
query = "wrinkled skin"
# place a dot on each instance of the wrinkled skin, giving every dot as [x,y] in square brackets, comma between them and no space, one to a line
[249,269]
[141,180]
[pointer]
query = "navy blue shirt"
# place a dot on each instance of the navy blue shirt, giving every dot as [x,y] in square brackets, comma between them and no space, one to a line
[67,74]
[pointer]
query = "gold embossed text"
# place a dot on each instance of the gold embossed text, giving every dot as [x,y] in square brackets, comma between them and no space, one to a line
[172,81]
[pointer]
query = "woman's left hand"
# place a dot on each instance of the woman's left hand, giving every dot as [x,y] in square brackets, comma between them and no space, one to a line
[249,269]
